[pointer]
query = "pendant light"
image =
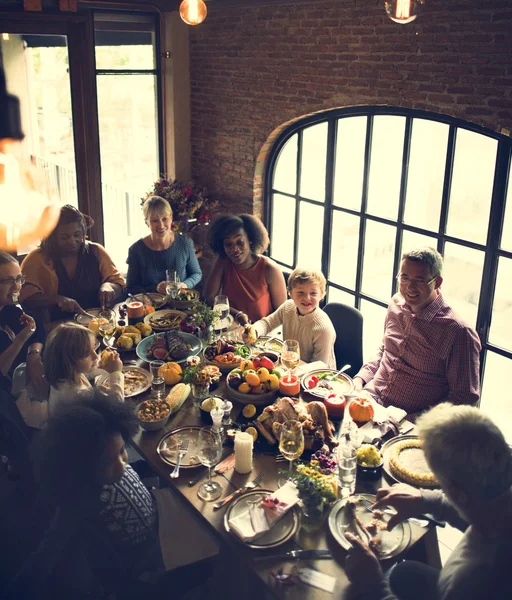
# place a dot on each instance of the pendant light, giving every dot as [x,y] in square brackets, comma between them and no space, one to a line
[402,11]
[193,12]
[26,215]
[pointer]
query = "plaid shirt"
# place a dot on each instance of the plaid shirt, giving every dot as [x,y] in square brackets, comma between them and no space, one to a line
[425,358]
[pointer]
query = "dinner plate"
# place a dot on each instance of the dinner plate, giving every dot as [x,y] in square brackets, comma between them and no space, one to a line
[175,315]
[136,380]
[387,451]
[84,320]
[110,342]
[168,447]
[188,338]
[184,304]
[342,385]
[280,533]
[157,300]
[265,342]
[392,542]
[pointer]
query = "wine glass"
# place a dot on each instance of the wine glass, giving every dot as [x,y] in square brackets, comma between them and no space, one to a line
[290,356]
[107,323]
[221,307]
[209,451]
[172,286]
[291,443]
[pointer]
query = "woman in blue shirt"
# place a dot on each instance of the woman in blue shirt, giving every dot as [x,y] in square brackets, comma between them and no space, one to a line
[150,257]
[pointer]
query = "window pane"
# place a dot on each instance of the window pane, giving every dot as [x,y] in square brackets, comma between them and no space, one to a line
[462,279]
[336,295]
[501,322]
[311,230]
[412,240]
[425,176]
[129,156]
[314,157]
[386,166]
[373,328]
[283,227]
[379,250]
[285,173]
[493,401]
[344,247]
[349,170]
[506,236]
[471,190]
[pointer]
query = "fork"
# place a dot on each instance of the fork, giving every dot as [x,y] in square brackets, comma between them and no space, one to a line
[181,453]
[430,520]
[248,486]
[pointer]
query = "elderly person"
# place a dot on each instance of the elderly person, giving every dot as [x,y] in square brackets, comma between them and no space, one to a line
[67,273]
[473,464]
[163,249]
[428,354]
[253,283]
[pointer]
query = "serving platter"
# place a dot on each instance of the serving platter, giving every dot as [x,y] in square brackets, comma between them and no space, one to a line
[158,320]
[343,383]
[136,380]
[188,338]
[157,300]
[170,443]
[184,304]
[280,533]
[387,451]
[392,542]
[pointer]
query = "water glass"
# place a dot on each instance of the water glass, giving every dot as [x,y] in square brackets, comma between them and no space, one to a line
[347,468]
[200,391]
[221,307]
[172,286]
[158,383]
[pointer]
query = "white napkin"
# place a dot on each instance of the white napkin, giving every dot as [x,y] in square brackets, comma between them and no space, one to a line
[308,367]
[371,430]
[257,519]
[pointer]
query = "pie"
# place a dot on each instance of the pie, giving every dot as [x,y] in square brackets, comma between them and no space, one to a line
[407,462]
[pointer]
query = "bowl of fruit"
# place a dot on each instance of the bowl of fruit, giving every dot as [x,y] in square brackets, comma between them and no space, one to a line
[226,354]
[248,385]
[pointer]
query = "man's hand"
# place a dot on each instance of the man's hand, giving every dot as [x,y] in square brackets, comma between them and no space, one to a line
[107,294]
[161,288]
[69,305]
[361,565]
[35,375]
[406,499]
[358,384]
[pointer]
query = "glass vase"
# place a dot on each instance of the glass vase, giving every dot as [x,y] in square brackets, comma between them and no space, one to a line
[200,391]
[312,513]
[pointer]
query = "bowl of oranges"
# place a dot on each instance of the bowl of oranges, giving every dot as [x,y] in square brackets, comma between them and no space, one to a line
[249,385]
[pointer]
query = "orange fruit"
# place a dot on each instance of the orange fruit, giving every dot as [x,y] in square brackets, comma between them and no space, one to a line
[252,379]
[148,308]
[244,388]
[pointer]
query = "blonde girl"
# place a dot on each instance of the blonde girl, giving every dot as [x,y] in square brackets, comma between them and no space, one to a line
[69,357]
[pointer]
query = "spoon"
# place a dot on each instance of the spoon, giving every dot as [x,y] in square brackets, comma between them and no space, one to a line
[342,370]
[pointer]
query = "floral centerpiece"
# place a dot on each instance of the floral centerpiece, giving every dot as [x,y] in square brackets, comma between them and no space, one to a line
[190,202]
[200,320]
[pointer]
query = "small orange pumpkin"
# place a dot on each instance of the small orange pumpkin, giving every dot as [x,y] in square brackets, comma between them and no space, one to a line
[361,410]
[171,372]
[148,308]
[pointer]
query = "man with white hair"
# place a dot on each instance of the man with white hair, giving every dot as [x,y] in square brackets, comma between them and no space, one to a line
[428,353]
[473,464]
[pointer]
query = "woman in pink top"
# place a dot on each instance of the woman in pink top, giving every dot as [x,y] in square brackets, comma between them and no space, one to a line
[253,283]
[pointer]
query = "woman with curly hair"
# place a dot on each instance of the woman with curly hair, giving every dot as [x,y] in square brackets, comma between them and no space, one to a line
[253,283]
[67,273]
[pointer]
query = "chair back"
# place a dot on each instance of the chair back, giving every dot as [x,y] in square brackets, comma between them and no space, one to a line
[14,437]
[348,323]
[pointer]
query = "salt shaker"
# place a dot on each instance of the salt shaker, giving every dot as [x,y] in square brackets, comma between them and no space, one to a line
[243,452]
[217,414]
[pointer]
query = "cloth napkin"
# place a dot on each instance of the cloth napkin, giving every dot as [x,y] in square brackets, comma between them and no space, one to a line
[258,519]
[382,421]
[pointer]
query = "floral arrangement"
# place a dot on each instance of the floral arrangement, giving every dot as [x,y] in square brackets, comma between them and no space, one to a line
[189,201]
[202,318]
[315,481]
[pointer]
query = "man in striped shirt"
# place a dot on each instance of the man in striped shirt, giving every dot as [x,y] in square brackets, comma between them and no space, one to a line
[428,354]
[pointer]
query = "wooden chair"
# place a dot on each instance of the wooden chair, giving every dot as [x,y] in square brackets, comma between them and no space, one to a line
[348,323]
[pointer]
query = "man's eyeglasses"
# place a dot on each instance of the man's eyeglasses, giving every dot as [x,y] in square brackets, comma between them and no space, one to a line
[11,281]
[404,280]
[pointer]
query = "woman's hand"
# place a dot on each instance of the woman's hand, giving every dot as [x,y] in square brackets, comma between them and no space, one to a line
[107,294]
[361,565]
[35,374]
[29,327]
[69,305]
[406,499]
[112,362]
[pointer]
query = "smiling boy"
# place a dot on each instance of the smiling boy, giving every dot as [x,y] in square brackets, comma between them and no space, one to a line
[303,319]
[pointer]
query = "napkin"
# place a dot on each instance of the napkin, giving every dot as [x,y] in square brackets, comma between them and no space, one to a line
[379,425]
[308,367]
[226,464]
[260,517]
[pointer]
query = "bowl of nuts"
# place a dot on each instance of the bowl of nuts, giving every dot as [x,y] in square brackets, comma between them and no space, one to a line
[153,414]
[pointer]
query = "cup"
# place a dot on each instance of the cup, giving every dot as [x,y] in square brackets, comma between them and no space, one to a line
[347,469]
[158,383]
[200,391]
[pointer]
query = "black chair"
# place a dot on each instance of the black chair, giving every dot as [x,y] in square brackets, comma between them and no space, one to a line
[15,438]
[348,323]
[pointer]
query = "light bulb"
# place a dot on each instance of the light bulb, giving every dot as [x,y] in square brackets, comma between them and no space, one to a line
[193,12]
[26,215]
[402,11]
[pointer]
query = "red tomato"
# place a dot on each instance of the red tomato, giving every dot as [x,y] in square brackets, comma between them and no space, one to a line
[266,362]
[256,362]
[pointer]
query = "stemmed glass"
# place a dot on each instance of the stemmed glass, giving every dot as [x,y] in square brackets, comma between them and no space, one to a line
[172,286]
[221,307]
[290,356]
[291,444]
[209,451]
[107,323]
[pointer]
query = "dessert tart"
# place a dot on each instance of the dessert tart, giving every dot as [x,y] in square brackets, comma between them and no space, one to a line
[408,463]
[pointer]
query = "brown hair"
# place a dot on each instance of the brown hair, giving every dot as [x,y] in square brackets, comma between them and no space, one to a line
[7,259]
[155,204]
[66,345]
[301,276]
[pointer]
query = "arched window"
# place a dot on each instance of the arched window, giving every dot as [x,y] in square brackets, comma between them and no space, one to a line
[349,190]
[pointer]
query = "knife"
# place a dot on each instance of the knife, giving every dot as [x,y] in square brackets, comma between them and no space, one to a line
[297,554]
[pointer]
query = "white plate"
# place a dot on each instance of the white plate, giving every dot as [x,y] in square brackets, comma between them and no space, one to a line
[342,385]
[392,542]
[149,319]
[168,447]
[84,320]
[145,379]
[157,300]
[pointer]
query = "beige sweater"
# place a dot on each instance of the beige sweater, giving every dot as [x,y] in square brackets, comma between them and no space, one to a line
[314,332]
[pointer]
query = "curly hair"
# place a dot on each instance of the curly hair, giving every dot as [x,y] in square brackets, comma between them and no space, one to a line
[225,224]
[68,214]
[67,452]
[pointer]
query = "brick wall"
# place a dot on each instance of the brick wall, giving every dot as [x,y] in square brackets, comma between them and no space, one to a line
[252,69]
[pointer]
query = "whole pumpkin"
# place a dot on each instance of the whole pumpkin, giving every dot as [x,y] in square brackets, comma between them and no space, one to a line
[171,372]
[361,410]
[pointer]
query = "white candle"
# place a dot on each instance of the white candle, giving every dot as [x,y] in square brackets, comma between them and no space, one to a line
[243,452]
